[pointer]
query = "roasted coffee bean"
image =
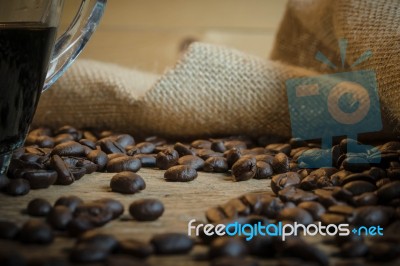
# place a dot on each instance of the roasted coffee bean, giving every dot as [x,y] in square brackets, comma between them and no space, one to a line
[125,140]
[341,209]
[127,183]
[296,195]
[263,171]
[77,172]
[146,209]
[298,215]
[167,158]
[365,199]
[308,252]
[281,181]
[279,148]
[215,214]
[3,181]
[314,208]
[234,208]
[110,146]
[389,192]
[218,146]
[342,194]
[40,178]
[72,202]
[192,161]
[244,169]
[36,232]
[383,251]
[180,173]
[280,163]
[355,146]
[391,146]
[113,205]
[98,157]
[87,253]
[325,197]
[216,165]
[69,148]
[146,160]
[17,187]
[232,156]
[8,229]
[357,177]
[232,261]
[227,247]
[64,175]
[273,206]
[98,240]
[67,129]
[145,147]
[172,243]
[238,144]
[359,187]
[88,143]
[183,150]
[371,216]
[356,164]
[382,182]
[63,138]
[122,164]
[89,166]
[207,153]
[201,144]
[112,156]
[90,214]
[59,217]
[38,207]
[156,140]
[136,248]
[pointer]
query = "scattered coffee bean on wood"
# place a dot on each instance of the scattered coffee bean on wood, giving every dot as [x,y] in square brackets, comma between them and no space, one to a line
[146,209]
[38,207]
[180,173]
[127,183]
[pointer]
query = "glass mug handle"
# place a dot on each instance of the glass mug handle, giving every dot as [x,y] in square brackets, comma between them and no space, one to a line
[70,44]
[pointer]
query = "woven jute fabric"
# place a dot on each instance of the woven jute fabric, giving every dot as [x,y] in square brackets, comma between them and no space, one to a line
[215,90]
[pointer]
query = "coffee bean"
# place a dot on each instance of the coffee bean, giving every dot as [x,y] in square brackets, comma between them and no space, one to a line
[356,164]
[382,251]
[145,147]
[391,146]
[183,150]
[17,187]
[180,173]
[382,182]
[99,158]
[272,207]
[113,205]
[64,175]
[77,172]
[357,177]
[341,209]
[281,181]
[232,261]
[218,146]
[298,215]
[127,183]
[201,144]
[353,250]
[99,240]
[365,199]
[371,216]
[69,148]
[314,208]
[88,143]
[192,161]
[234,208]
[227,247]
[216,165]
[146,209]
[112,156]
[172,243]
[235,144]
[308,252]
[122,164]
[296,195]
[8,229]
[215,214]
[359,187]
[3,181]
[263,171]
[279,148]
[72,202]
[207,153]
[87,254]
[244,169]
[88,216]
[40,178]
[37,232]
[167,159]
[125,140]
[59,217]
[280,163]
[146,160]
[136,248]
[389,191]
[232,156]
[110,146]
[38,207]
[297,143]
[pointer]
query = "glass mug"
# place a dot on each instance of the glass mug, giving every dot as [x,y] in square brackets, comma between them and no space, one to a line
[31,59]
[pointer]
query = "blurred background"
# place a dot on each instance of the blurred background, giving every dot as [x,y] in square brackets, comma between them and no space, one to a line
[149,34]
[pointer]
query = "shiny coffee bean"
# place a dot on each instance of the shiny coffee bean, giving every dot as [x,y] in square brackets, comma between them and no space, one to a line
[116,208]
[183,150]
[38,207]
[216,165]
[36,232]
[172,243]
[192,161]
[122,164]
[298,215]
[136,248]
[167,159]
[85,253]
[389,192]
[227,247]
[356,164]
[69,148]
[180,173]
[72,202]
[146,209]
[64,175]
[99,158]
[110,146]
[125,140]
[232,156]
[244,169]
[201,144]
[17,187]
[280,163]
[359,187]
[127,183]
[40,178]
[98,240]
[59,217]
[263,171]
[371,216]
[281,181]
[314,208]
[146,160]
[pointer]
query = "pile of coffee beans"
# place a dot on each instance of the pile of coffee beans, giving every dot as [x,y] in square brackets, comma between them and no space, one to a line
[361,188]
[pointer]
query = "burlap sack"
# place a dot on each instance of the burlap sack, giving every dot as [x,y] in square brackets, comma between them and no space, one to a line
[215,90]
